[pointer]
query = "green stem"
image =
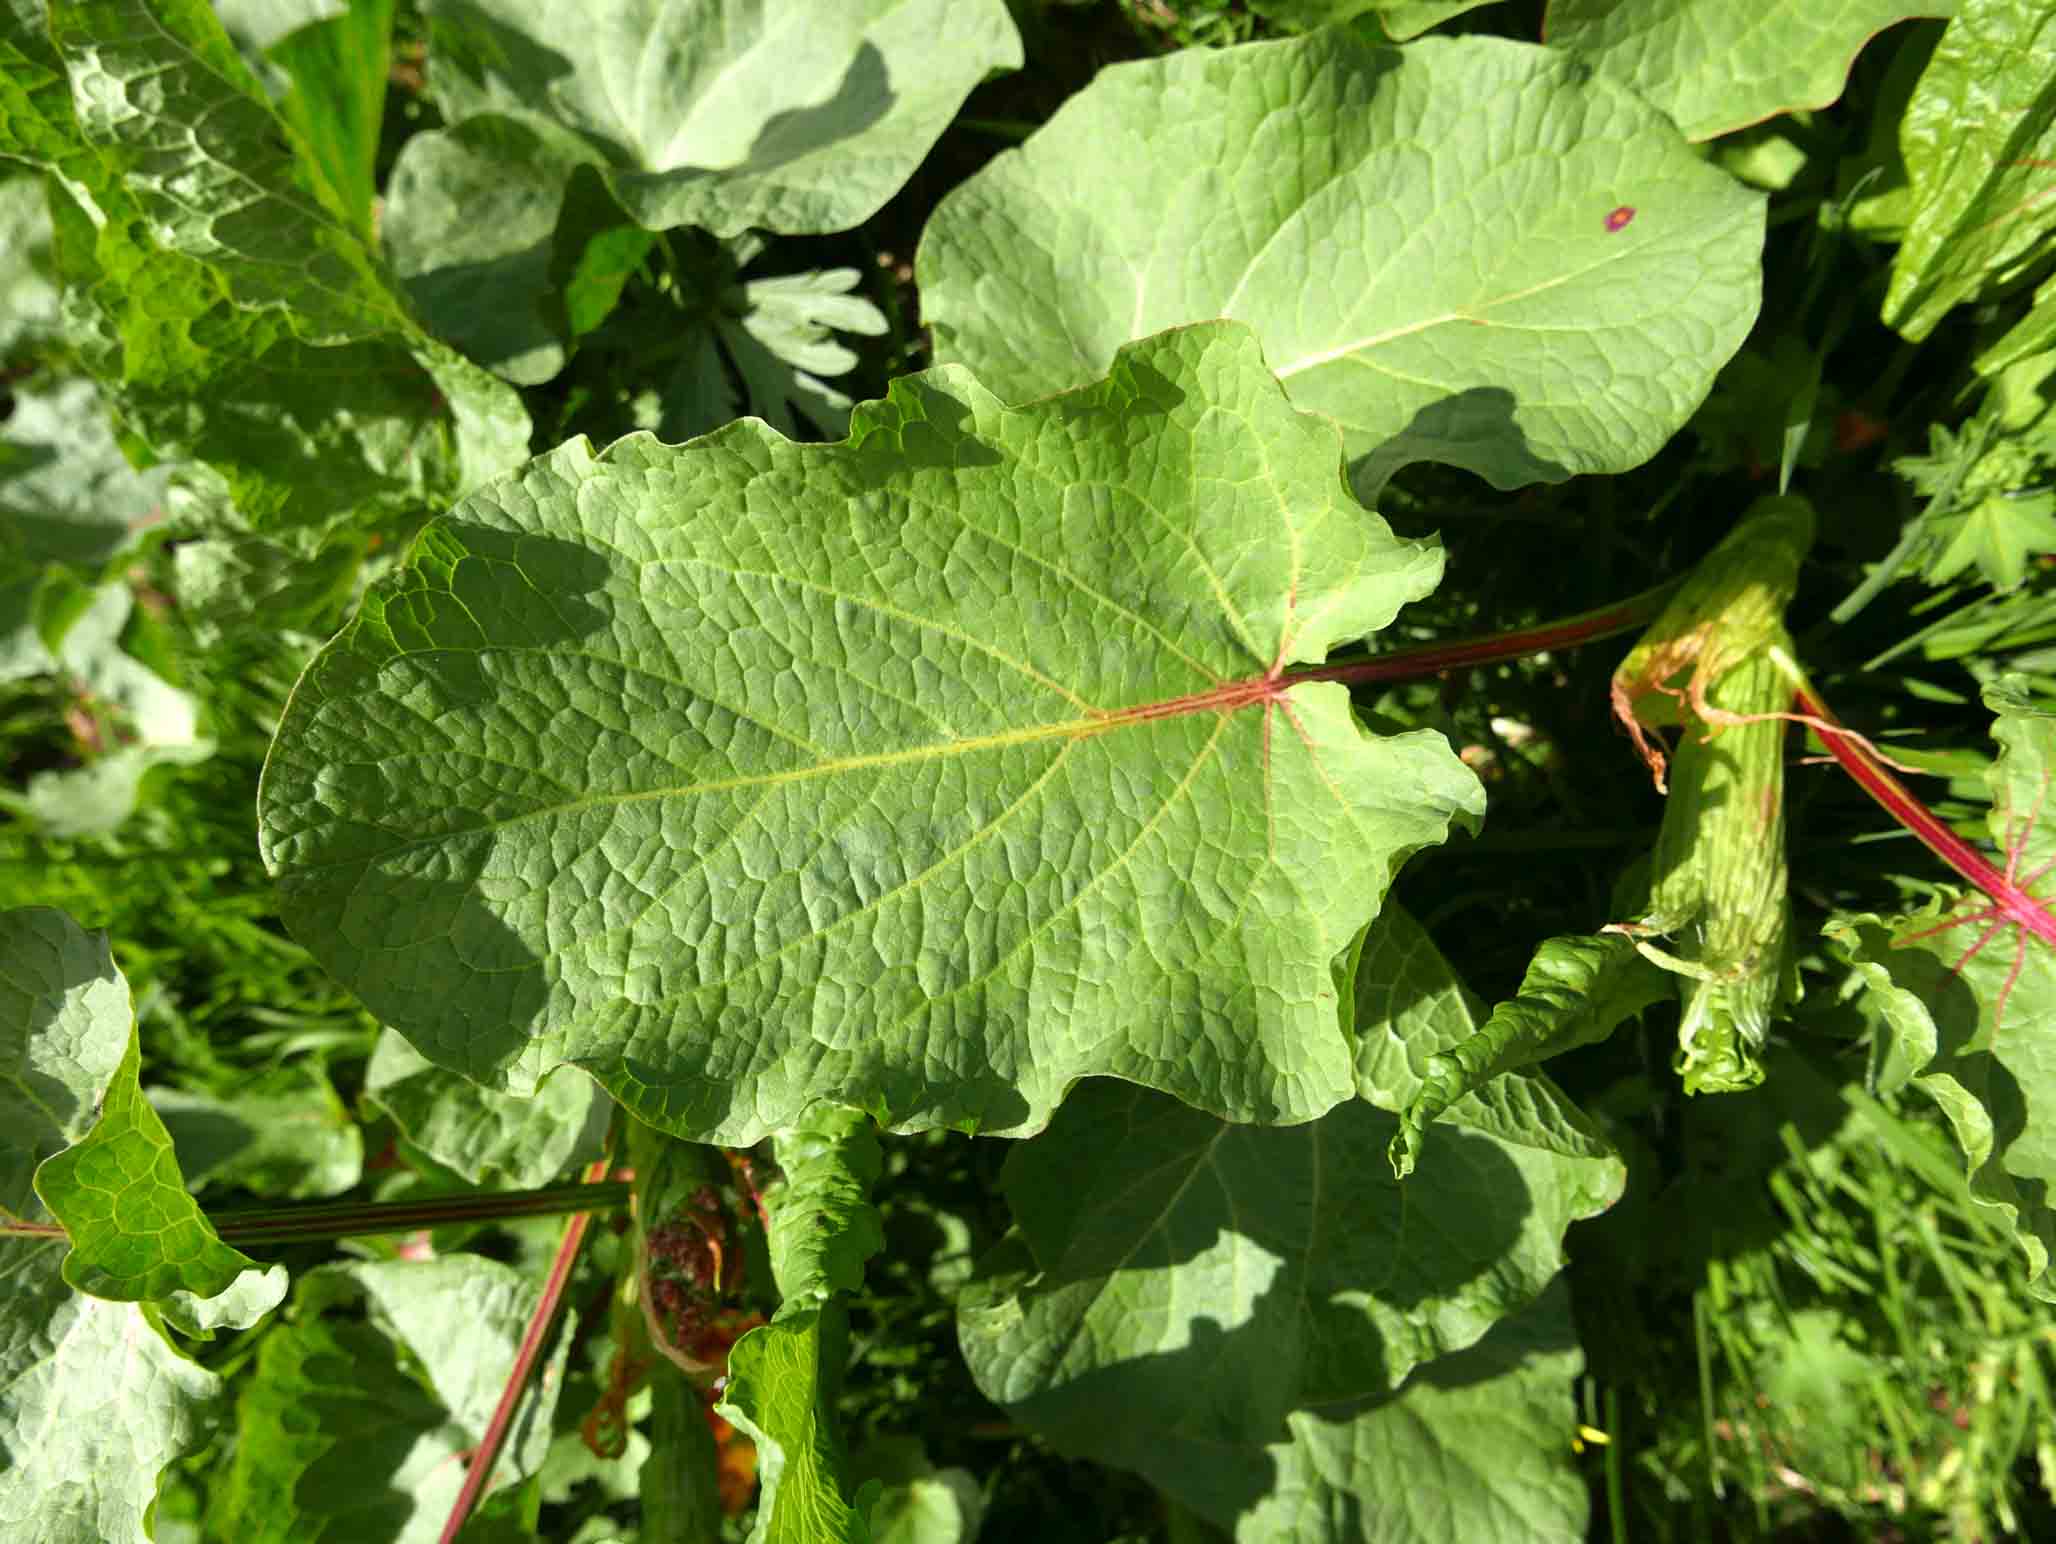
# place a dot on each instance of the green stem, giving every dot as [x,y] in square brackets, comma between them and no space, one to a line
[300,1224]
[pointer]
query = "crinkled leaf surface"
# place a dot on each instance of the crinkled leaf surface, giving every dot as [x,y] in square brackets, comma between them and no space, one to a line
[730,114]
[93,1405]
[235,317]
[1177,1285]
[1978,139]
[928,772]
[1474,1448]
[339,1436]
[485,1135]
[65,1025]
[782,1376]
[1993,1074]
[1465,251]
[135,1232]
[1720,65]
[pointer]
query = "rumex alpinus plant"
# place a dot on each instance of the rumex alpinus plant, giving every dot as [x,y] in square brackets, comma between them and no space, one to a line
[1062,722]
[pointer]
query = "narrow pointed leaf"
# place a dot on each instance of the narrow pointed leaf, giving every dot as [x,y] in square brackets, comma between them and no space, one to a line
[1577,990]
[1334,195]
[1979,138]
[619,769]
[730,114]
[1720,65]
[783,1376]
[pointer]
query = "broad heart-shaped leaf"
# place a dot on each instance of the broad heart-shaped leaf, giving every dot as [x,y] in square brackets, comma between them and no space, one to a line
[927,772]
[480,1132]
[93,1405]
[1720,65]
[782,115]
[1465,251]
[235,318]
[358,1431]
[1177,1285]
[783,1376]
[1474,1449]
[1978,138]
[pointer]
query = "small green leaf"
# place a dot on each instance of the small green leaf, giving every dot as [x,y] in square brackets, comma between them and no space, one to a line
[730,114]
[1720,65]
[482,1134]
[1577,990]
[616,771]
[1467,251]
[288,1136]
[782,1376]
[135,1232]
[1978,139]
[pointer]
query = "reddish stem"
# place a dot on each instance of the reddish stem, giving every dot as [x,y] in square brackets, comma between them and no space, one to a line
[1429,659]
[525,1358]
[1862,763]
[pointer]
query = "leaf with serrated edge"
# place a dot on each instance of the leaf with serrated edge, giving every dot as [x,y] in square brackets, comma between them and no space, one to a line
[928,772]
[1720,65]
[1466,251]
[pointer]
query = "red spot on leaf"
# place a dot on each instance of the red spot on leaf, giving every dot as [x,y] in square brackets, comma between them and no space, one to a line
[1618,220]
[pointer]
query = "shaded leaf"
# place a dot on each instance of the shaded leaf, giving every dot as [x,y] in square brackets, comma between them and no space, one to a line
[1720,65]
[1475,1447]
[339,1436]
[289,1137]
[686,692]
[1335,196]
[1177,1286]
[482,1134]
[729,114]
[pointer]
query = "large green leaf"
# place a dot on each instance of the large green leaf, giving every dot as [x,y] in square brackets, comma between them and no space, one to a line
[1464,251]
[1720,65]
[1475,1448]
[729,114]
[236,316]
[1967,1011]
[1978,138]
[928,772]
[1177,1284]
[93,1405]
[67,494]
